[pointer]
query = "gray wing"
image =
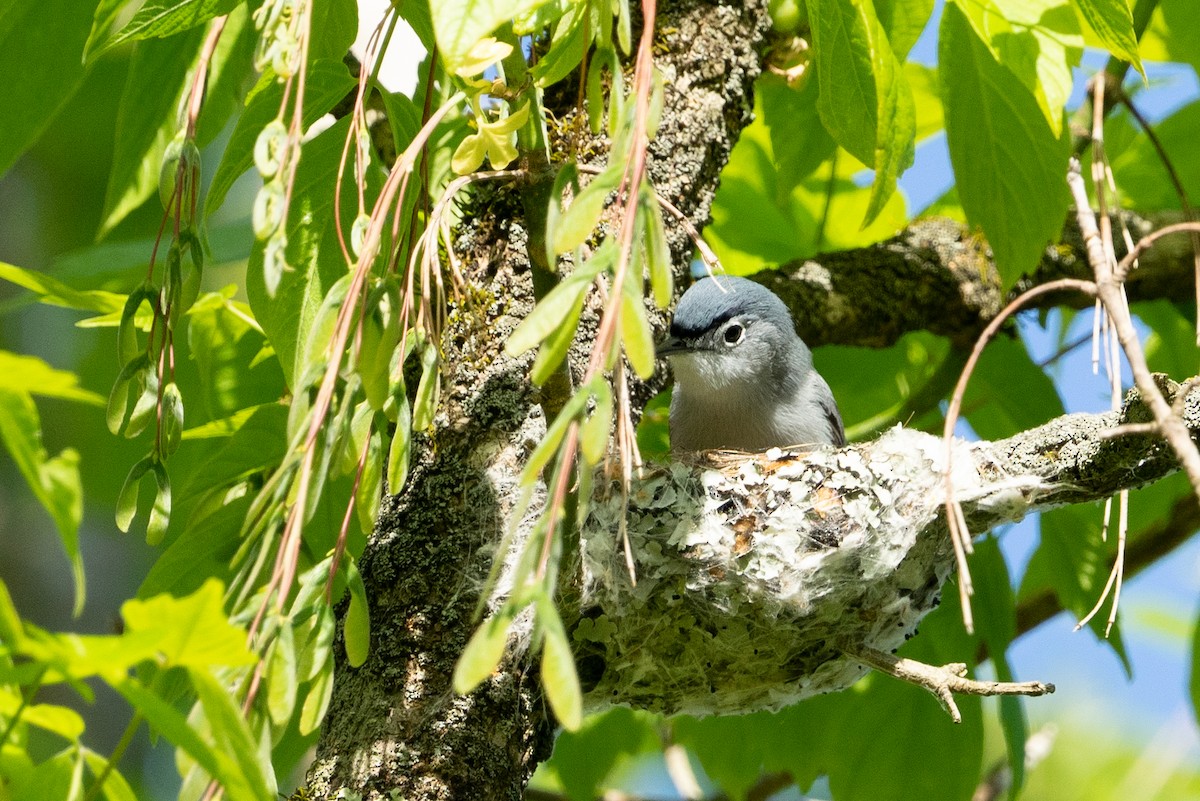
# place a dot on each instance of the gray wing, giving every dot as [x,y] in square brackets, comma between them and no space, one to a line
[829,408]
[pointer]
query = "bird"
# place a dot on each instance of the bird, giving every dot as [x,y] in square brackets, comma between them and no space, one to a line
[744,380]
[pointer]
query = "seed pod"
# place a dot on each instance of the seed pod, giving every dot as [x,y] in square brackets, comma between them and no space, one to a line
[274,261]
[268,209]
[181,159]
[270,147]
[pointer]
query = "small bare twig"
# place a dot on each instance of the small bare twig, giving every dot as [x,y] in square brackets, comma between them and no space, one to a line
[1116,306]
[942,681]
[1130,429]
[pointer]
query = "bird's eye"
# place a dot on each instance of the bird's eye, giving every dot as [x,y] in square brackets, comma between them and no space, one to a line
[734,334]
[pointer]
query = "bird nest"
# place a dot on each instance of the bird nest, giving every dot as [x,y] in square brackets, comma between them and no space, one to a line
[761,581]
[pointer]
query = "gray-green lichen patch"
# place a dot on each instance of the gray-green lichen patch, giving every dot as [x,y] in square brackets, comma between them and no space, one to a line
[748,578]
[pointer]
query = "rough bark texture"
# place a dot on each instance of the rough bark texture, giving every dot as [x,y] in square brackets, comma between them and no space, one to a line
[938,276]
[395,729]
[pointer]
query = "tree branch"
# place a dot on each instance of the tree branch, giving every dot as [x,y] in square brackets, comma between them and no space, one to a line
[937,276]
[395,727]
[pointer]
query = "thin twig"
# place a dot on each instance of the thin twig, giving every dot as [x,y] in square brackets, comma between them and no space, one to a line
[942,681]
[1102,177]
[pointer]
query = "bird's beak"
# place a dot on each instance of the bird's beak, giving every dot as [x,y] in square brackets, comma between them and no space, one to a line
[671,345]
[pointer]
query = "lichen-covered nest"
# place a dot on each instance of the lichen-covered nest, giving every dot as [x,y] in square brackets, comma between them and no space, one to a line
[749,577]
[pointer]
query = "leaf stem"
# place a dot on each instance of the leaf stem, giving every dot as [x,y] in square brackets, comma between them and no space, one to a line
[119,751]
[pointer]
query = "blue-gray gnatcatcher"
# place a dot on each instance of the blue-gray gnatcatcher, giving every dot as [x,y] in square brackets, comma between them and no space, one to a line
[743,379]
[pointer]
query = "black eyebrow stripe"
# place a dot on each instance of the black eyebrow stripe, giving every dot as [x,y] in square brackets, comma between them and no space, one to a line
[679,331]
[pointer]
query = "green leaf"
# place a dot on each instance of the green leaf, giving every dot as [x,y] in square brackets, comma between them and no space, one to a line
[106,15]
[63,721]
[399,452]
[326,82]
[735,770]
[175,726]
[483,652]
[1038,41]
[380,336]
[903,20]
[12,630]
[550,314]
[124,390]
[224,340]
[996,412]
[172,418]
[192,631]
[55,779]
[559,678]
[1139,170]
[865,101]
[1113,23]
[230,733]
[316,703]
[584,758]
[555,346]
[468,156]
[333,28]
[53,292]
[312,356]
[1171,343]
[1073,561]
[41,41]
[551,311]
[899,714]
[994,605]
[314,653]
[281,677]
[403,115]
[55,480]
[658,253]
[127,500]
[1172,34]
[460,24]
[593,433]
[205,547]
[357,628]
[425,403]
[116,788]
[566,49]
[1009,166]
[370,485]
[554,434]
[147,121]
[162,18]
[255,443]
[579,220]
[160,511]
[636,335]
[923,81]
[21,373]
